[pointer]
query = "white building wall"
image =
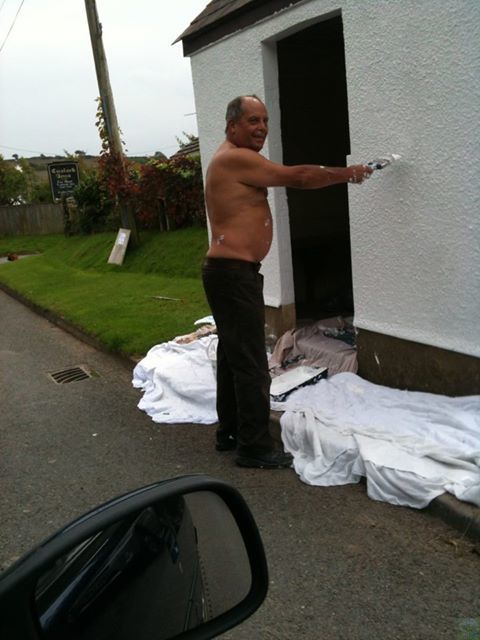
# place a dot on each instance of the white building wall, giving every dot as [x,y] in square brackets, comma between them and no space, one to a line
[413,73]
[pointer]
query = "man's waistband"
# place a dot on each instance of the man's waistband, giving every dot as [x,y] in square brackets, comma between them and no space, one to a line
[231,263]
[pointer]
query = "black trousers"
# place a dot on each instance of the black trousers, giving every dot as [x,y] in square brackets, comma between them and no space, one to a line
[234,290]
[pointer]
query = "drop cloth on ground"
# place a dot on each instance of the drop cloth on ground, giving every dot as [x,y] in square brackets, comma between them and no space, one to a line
[410,446]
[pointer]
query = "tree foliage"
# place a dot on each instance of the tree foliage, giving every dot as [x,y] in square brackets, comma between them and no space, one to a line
[13,183]
[190,138]
[41,192]
[170,193]
[95,206]
[162,193]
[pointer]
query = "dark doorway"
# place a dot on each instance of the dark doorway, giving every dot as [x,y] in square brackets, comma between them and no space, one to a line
[315,130]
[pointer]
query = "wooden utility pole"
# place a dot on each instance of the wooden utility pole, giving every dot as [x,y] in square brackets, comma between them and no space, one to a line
[108,106]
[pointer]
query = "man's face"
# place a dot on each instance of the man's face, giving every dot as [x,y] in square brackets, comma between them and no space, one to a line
[252,128]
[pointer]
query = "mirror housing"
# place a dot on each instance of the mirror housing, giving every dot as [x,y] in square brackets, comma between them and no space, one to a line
[18,615]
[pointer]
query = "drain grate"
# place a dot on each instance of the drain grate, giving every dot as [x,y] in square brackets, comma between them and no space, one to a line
[72,374]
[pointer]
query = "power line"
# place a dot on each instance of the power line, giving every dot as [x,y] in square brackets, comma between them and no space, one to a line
[4,146]
[12,25]
[2,4]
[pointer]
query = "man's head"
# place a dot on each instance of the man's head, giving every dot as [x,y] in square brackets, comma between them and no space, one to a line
[247,122]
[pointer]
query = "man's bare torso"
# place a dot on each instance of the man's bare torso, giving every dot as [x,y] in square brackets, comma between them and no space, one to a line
[239,214]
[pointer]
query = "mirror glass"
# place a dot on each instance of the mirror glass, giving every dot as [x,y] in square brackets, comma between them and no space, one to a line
[168,568]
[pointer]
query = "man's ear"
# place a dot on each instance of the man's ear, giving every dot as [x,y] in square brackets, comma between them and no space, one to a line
[230,128]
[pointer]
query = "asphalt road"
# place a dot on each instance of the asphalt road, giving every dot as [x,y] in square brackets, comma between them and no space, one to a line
[341,565]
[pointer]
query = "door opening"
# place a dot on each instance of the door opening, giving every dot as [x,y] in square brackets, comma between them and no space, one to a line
[315,130]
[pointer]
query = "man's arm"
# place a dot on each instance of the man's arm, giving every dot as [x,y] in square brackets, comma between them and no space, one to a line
[253,169]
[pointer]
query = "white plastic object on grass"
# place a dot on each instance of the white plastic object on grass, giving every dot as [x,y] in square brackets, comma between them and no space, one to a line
[205,320]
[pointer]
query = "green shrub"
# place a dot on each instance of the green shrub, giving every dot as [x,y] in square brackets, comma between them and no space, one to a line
[170,194]
[95,206]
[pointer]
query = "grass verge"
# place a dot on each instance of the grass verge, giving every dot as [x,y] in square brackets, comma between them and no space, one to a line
[115,304]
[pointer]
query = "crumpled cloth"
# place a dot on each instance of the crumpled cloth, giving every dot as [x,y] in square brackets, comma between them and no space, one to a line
[312,346]
[410,446]
[179,382]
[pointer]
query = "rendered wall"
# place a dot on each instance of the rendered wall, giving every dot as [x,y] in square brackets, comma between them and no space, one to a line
[413,78]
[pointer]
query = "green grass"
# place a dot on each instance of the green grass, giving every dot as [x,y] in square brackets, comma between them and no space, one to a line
[469,629]
[115,304]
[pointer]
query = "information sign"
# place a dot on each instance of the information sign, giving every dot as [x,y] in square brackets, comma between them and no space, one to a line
[63,178]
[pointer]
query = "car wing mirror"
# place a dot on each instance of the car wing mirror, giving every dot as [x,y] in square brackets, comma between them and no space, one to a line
[181,558]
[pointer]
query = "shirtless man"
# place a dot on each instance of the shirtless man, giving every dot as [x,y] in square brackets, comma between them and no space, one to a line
[241,227]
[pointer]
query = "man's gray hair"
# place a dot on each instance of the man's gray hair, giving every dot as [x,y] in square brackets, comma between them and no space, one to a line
[235,109]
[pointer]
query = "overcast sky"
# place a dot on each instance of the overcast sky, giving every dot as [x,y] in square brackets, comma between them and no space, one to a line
[48,84]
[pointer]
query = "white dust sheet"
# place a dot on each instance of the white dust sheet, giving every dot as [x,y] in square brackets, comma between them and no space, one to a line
[178,382]
[410,446]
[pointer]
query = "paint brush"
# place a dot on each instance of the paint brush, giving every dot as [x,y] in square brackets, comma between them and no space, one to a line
[380,163]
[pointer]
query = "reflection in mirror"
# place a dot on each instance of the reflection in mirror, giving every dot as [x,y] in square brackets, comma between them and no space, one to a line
[223,558]
[168,568]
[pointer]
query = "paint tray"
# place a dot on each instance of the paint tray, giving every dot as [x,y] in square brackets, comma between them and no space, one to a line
[284,384]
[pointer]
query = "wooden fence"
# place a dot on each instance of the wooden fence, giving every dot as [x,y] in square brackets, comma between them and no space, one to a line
[31,219]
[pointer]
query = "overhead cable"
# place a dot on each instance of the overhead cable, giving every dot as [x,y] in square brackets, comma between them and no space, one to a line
[4,146]
[12,25]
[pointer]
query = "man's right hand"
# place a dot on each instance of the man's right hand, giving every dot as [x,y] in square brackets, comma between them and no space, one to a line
[359,173]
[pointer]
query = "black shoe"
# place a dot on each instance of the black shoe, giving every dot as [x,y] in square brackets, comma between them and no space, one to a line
[226,443]
[269,460]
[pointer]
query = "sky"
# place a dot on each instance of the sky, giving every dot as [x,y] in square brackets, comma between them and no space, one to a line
[48,84]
